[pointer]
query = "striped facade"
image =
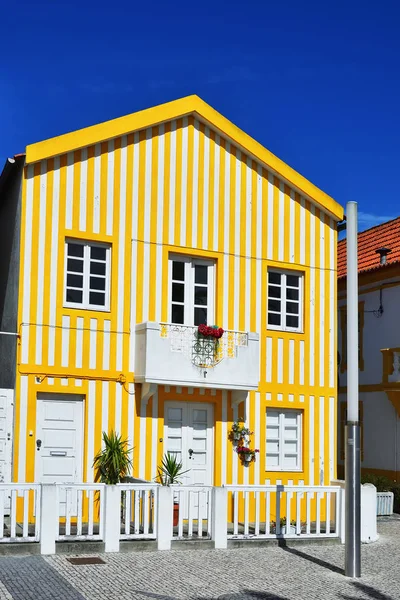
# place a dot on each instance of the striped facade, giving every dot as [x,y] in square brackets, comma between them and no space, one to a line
[180,185]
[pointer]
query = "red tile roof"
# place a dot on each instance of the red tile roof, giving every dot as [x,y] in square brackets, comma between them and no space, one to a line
[386,235]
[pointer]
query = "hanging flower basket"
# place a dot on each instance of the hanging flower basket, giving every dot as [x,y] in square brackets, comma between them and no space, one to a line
[238,433]
[206,346]
[246,455]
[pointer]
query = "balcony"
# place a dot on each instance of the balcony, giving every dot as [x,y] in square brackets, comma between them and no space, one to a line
[168,354]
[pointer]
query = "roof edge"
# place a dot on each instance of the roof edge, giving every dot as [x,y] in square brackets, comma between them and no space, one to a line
[172,110]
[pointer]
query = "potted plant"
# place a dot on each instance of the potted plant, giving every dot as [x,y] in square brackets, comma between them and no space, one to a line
[291,528]
[238,432]
[170,473]
[205,351]
[113,462]
[246,455]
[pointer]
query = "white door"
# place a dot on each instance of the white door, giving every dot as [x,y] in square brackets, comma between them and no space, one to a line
[188,434]
[59,437]
[6,429]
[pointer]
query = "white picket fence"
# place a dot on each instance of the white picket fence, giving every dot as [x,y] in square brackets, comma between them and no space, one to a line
[50,513]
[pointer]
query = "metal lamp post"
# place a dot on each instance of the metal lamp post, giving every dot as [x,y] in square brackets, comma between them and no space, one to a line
[352,436]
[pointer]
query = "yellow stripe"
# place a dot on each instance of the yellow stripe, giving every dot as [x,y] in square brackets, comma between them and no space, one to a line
[103,187]
[90,189]
[153,222]
[76,191]
[178,182]
[221,209]
[189,191]
[200,209]
[140,213]
[211,204]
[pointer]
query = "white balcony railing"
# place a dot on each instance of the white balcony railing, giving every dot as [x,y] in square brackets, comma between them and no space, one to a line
[169,354]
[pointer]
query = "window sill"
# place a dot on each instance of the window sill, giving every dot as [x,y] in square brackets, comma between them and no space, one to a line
[73,308]
[271,470]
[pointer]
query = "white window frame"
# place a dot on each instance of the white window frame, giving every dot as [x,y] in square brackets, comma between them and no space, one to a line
[188,304]
[282,327]
[281,466]
[85,304]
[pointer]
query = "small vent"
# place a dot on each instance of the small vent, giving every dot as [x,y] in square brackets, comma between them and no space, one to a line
[87,560]
[384,503]
[383,252]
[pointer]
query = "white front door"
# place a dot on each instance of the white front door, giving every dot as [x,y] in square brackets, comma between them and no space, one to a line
[6,429]
[188,434]
[59,440]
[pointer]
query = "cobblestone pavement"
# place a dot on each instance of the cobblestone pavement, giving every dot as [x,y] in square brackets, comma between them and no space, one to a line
[309,571]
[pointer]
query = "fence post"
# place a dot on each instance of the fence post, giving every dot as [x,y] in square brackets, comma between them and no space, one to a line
[342,529]
[219,513]
[112,517]
[164,517]
[48,518]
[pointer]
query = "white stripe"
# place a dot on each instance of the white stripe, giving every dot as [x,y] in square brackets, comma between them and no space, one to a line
[83,190]
[206,185]
[131,409]
[280,360]
[257,438]
[268,374]
[160,216]
[26,305]
[172,187]
[69,203]
[292,228]
[301,362]
[249,236]
[23,406]
[236,301]
[332,437]
[217,152]
[97,188]
[91,400]
[226,233]
[332,328]
[118,407]
[259,291]
[154,436]
[65,341]
[185,134]
[147,212]
[302,231]
[110,188]
[291,362]
[224,433]
[195,201]
[106,345]
[321,440]
[143,449]
[322,300]
[79,342]
[104,408]
[236,274]
[93,343]
[281,241]
[247,423]
[41,254]
[135,196]
[235,458]
[312,296]
[311,440]
[121,254]
[270,217]
[53,261]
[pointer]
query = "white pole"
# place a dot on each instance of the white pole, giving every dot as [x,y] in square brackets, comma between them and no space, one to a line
[352,447]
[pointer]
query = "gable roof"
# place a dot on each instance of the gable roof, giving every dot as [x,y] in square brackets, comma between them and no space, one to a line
[386,235]
[190,105]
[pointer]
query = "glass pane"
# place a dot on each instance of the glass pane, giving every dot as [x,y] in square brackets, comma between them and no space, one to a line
[75,250]
[178,270]
[177,314]
[274,319]
[274,305]
[75,265]
[200,295]
[178,292]
[200,316]
[98,253]
[274,277]
[98,283]
[97,268]
[75,281]
[175,414]
[292,294]
[293,280]
[291,418]
[199,416]
[200,273]
[97,298]
[292,308]
[292,322]
[274,291]
[74,296]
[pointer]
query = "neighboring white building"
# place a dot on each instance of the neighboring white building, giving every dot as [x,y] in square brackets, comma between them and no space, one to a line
[379,349]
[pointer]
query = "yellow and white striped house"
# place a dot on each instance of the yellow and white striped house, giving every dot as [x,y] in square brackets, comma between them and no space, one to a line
[132,233]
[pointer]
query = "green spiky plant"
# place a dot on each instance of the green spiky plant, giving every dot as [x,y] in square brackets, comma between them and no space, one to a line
[113,463]
[170,470]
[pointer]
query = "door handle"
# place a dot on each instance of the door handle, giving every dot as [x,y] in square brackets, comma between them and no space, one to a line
[190,453]
[38,444]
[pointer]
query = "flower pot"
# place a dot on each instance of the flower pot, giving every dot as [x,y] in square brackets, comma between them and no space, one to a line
[237,436]
[292,530]
[248,457]
[176,514]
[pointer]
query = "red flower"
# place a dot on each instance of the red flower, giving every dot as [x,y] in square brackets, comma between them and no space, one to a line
[208,331]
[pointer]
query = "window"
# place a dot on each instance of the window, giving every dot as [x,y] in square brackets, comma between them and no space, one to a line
[191,290]
[283,437]
[285,301]
[87,275]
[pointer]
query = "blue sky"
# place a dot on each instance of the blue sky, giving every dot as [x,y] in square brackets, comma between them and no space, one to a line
[316,83]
